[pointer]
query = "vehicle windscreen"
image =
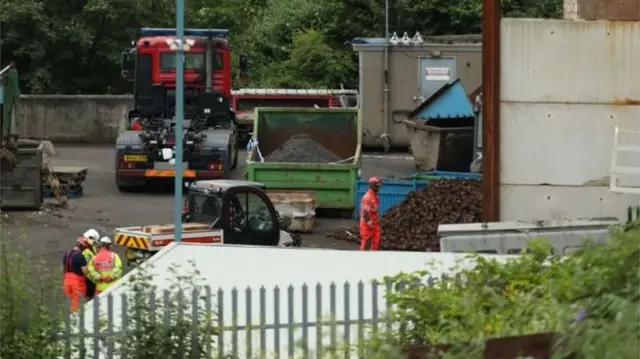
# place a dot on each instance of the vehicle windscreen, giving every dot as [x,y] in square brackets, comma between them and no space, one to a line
[192,61]
[204,208]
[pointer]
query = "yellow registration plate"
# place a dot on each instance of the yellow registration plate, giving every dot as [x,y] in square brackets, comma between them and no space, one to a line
[135,158]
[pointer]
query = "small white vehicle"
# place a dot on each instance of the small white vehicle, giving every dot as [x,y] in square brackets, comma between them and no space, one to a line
[215,211]
[512,237]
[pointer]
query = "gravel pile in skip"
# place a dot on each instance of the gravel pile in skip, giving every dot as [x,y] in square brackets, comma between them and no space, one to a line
[412,225]
[302,148]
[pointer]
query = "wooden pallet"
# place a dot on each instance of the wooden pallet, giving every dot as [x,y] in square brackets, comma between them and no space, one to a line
[63,187]
[169,228]
[48,193]
[65,181]
[70,172]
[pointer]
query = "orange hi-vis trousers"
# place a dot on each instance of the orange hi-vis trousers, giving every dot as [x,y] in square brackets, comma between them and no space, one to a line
[74,288]
[369,237]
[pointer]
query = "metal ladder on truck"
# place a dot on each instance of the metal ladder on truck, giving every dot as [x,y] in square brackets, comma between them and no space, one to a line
[625,170]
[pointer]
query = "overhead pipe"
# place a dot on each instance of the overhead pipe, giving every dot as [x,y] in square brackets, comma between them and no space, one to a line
[386,141]
[491,16]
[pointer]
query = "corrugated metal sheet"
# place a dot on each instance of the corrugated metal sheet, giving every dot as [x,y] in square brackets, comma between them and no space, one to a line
[394,190]
[450,101]
[227,267]
[558,61]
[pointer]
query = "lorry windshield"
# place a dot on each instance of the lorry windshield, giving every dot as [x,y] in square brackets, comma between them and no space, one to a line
[192,61]
[204,208]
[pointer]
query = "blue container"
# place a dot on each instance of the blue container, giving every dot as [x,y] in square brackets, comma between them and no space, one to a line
[394,190]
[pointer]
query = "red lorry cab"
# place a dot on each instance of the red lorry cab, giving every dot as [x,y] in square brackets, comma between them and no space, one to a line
[152,61]
[156,50]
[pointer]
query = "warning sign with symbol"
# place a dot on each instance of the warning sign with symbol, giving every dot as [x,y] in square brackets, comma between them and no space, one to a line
[437,73]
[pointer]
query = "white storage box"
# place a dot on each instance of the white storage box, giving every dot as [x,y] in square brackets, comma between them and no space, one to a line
[299,206]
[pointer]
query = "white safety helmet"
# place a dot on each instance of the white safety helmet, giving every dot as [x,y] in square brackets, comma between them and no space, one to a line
[105,240]
[91,235]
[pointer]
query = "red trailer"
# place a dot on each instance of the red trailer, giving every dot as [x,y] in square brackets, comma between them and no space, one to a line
[245,102]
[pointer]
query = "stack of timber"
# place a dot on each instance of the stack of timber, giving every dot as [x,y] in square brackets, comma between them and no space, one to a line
[63,181]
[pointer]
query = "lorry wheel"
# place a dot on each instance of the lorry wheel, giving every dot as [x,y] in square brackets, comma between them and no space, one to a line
[229,168]
[234,164]
[127,189]
[125,186]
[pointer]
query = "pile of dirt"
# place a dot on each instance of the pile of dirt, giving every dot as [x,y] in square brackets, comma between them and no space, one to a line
[302,148]
[412,225]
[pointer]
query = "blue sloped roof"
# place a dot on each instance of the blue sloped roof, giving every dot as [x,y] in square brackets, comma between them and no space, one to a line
[450,101]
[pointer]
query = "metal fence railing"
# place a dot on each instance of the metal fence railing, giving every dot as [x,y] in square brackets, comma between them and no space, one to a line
[297,321]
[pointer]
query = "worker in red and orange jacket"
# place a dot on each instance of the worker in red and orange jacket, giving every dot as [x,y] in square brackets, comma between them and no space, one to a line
[75,269]
[369,217]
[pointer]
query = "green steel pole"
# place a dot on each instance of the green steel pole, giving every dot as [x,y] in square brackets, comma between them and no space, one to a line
[179,115]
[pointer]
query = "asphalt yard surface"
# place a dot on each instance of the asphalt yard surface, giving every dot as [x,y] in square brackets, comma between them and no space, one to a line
[49,232]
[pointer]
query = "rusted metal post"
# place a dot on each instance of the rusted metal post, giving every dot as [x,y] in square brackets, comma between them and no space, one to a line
[491,109]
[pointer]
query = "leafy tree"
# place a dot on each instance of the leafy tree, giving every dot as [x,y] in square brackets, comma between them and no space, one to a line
[311,55]
[74,46]
[590,297]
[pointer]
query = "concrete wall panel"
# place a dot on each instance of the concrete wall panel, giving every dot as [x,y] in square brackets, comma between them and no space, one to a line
[570,61]
[565,86]
[561,144]
[560,202]
[62,118]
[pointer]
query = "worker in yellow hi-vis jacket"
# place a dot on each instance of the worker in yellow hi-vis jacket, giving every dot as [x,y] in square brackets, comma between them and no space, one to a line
[106,267]
[92,236]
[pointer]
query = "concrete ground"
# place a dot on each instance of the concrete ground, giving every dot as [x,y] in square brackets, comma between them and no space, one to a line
[51,231]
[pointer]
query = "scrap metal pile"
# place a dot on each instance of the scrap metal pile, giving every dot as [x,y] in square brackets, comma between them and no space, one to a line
[412,225]
[302,148]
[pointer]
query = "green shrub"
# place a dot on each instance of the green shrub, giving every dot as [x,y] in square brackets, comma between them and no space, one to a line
[174,323]
[33,313]
[30,302]
[590,297]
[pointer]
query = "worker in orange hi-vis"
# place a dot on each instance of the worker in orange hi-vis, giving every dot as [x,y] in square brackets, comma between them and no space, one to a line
[106,267]
[75,269]
[369,217]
